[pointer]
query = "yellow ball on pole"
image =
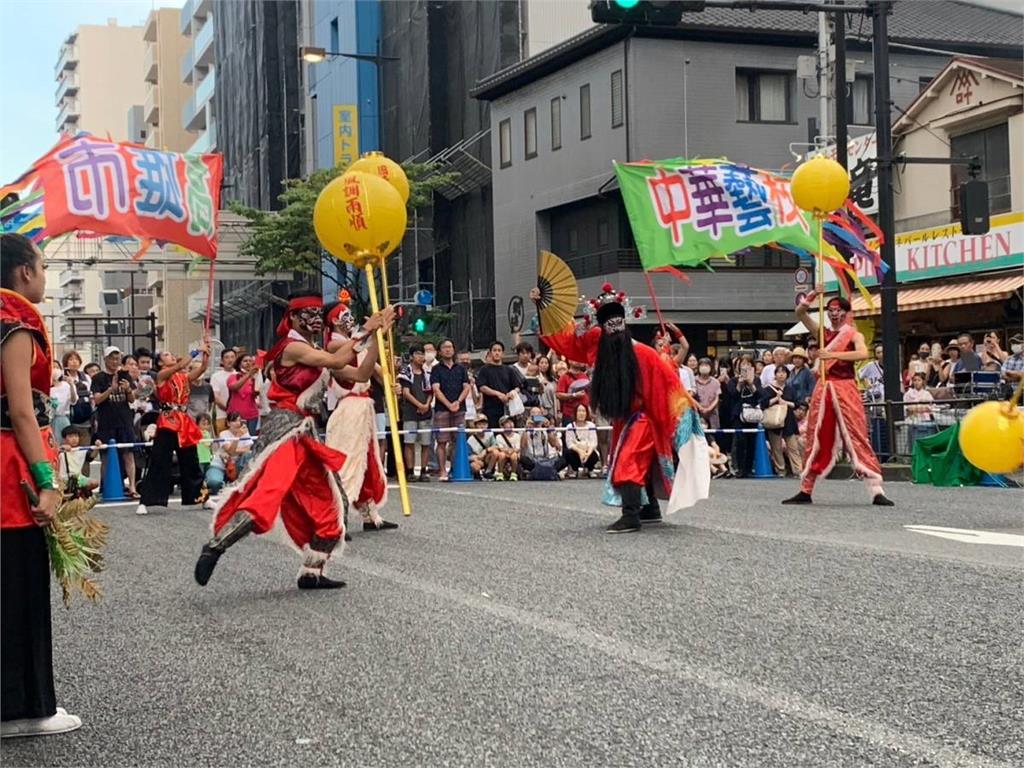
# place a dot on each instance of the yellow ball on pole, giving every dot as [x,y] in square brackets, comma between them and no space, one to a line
[992,437]
[820,186]
[378,164]
[359,218]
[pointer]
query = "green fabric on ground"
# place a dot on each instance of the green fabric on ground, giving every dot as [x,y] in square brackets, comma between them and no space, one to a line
[938,460]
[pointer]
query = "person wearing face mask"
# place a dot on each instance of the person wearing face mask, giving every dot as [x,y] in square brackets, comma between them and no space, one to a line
[707,391]
[292,474]
[837,419]
[429,355]
[1013,366]
[921,363]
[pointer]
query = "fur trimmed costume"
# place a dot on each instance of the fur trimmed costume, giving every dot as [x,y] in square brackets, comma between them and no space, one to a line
[291,477]
[352,429]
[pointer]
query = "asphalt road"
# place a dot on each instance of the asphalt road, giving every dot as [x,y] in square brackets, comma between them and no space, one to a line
[500,626]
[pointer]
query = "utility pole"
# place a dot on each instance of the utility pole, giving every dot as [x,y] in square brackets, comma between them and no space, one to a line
[886,204]
[823,83]
[839,80]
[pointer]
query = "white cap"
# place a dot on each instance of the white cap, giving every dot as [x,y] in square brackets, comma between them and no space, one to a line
[111,350]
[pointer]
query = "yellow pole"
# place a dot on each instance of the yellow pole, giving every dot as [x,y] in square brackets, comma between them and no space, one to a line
[386,365]
[821,297]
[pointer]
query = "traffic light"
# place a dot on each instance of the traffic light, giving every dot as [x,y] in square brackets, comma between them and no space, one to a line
[654,13]
[420,326]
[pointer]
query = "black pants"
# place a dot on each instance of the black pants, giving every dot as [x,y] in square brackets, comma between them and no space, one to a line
[157,484]
[744,445]
[528,462]
[575,463]
[26,647]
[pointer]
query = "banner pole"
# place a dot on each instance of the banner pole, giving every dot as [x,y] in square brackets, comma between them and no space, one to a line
[386,366]
[821,298]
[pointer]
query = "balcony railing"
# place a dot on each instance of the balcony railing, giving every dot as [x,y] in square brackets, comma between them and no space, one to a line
[185,19]
[193,116]
[69,276]
[604,262]
[68,59]
[68,113]
[206,142]
[202,45]
[187,66]
[151,108]
[149,63]
[154,139]
[67,86]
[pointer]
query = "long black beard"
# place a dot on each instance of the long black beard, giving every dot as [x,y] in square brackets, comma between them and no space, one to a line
[615,375]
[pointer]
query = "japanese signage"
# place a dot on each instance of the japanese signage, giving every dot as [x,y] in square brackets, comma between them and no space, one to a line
[685,212]
[944,251]
[860,154]
[346,134]
[91,185]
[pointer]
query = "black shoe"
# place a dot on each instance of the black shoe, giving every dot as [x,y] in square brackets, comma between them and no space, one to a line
[348,536]
[800,498]
[881,500]
[312,581]
[651,515]
[206,563]
[424,477]
[628,523]
[384,526]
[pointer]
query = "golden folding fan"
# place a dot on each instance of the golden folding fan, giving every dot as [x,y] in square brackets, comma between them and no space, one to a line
[559,295]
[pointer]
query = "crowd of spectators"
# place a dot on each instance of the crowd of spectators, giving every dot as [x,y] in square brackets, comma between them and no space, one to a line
[529,418]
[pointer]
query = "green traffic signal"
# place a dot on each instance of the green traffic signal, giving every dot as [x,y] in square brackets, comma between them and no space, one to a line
[626,3]
[420,326]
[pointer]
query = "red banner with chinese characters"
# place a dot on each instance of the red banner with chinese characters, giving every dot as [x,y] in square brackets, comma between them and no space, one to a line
[92,185]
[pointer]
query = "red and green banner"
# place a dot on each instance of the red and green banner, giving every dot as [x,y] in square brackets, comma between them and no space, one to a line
[684,212]
[90,185]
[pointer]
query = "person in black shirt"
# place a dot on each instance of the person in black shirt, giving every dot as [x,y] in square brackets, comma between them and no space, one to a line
[450,384]
[415,407]
[496,382]
[113,395]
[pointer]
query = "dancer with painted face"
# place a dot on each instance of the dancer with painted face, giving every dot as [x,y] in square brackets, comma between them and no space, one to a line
[292,475]
[836,419]
[352,428]
[653,418]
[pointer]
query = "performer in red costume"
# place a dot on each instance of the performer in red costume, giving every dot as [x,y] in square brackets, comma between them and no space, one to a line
[28,454]
[175,433]
[352,428]
[292,474]
[836,418]
[652,417]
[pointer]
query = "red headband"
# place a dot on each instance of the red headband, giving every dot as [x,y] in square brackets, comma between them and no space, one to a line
[335,313]
[294,305]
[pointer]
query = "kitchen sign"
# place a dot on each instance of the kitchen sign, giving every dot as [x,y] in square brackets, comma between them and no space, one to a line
[945,251]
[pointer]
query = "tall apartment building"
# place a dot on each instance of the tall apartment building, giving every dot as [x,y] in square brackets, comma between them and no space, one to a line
[169,108]
[90,59]
[198,73]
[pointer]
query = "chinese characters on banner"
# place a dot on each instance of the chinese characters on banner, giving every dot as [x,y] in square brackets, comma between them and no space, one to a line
[92,185]
[354,204]
[684,212]
[346,134]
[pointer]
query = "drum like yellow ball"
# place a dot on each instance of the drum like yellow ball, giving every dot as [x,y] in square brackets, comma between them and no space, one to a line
[992,437]
[378,164]
[359,218]
[820,185]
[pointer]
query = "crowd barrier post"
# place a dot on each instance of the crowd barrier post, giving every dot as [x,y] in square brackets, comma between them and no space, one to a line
[113,484]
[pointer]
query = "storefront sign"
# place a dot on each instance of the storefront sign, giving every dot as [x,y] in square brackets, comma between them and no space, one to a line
[346,134]
[945,251]
[860,156]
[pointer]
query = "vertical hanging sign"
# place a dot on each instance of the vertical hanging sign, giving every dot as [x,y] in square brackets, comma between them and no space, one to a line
[346,134]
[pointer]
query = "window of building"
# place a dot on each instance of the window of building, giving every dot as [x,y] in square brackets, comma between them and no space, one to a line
[556,123]
[766,258]
[530,133]
[741,335]
[335,37]
[602,233]
[860,101]
[992,146]
[585,111]
[505,142]
[764,96]
[574,240]
[617,101]
[718,334]
[923,82]
[770,334]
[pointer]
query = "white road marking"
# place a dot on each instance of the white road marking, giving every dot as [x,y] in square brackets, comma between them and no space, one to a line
[969,536]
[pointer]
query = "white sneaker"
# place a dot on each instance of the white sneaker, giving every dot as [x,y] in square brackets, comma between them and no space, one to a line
[141,510]
[210,504]
[61,722]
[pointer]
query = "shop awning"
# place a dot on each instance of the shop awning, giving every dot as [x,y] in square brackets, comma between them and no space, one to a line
[948,294]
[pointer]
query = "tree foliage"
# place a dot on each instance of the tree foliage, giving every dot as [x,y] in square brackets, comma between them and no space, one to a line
[285,241]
